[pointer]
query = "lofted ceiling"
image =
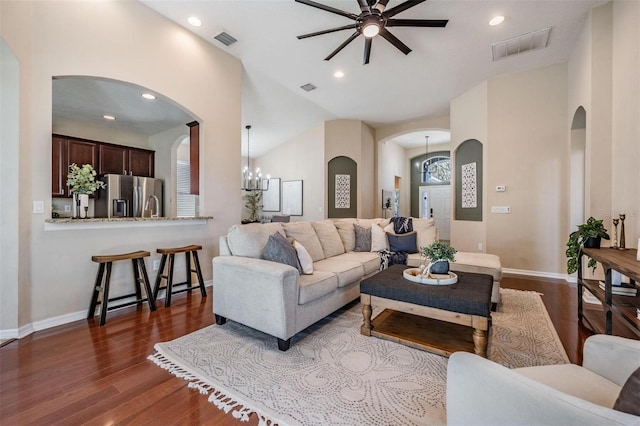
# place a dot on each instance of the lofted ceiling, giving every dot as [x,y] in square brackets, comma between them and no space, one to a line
[444,63]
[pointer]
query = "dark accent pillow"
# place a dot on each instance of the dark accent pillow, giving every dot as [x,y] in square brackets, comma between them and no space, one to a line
[363,238]
[278,249]
[406,243]
[629,399]
[402,225]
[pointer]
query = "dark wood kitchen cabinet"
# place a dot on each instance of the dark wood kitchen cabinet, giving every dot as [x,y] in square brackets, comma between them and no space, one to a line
[124,160]
[64,152]
[104,157]
[141,162]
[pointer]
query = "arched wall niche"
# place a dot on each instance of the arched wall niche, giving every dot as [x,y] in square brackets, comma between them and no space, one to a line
[468,180]
[343,187]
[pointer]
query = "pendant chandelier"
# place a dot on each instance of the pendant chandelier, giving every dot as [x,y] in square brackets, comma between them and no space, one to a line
[249,181]
[425,163]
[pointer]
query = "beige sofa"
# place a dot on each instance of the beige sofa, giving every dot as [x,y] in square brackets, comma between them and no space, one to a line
[276,299]
[481,392]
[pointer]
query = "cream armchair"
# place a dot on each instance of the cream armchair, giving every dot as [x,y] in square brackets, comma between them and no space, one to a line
[481,392]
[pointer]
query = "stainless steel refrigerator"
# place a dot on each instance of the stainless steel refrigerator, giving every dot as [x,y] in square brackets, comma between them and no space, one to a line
[129,196]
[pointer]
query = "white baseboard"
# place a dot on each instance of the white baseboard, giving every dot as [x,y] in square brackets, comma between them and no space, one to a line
[27,329]
[539,274]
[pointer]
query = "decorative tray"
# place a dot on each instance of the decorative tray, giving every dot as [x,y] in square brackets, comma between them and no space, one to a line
[413,274]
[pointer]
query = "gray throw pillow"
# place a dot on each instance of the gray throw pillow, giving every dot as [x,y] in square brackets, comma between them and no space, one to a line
[278,249]
[406,243]
[629,398]
[363,238]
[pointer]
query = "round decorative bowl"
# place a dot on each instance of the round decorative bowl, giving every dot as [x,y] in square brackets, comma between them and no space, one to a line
[413,274]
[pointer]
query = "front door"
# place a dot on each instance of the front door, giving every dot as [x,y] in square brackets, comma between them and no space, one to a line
[435,202]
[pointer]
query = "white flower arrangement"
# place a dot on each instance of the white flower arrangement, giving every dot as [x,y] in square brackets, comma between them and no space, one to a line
[81,180]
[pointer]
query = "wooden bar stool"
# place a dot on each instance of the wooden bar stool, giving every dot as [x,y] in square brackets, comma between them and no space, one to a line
[171,252]
[139,274]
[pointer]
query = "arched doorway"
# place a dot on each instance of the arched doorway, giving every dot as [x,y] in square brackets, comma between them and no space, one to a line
[578,146]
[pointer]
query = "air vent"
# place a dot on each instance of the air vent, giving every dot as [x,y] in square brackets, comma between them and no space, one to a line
[225,38]
[308,87]
[524,43]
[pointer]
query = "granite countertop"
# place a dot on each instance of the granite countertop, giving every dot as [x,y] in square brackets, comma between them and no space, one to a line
[123,219]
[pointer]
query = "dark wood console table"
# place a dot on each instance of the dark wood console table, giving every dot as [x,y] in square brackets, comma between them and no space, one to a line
[623,307]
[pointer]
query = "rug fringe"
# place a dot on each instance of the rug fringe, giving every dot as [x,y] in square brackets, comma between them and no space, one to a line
[216,397]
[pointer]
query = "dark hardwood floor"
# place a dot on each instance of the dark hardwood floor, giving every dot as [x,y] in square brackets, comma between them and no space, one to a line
[80,373]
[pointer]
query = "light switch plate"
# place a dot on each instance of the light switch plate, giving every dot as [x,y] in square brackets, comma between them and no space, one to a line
[501,209]
[38,206]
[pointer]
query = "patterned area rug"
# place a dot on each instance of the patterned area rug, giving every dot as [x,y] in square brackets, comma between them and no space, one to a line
[334,375]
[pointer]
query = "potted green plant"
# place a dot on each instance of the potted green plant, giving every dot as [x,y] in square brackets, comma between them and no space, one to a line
[439,254]
[588,235]
[252,204]
[82,182]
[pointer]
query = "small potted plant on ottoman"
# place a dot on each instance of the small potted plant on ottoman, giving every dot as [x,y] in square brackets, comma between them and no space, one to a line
[439,255]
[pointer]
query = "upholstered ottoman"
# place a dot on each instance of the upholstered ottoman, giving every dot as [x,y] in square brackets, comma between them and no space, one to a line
[478,263]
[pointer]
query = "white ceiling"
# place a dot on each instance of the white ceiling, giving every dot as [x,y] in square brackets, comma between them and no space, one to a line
[444,63]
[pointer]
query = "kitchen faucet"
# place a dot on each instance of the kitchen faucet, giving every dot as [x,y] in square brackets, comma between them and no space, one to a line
[157,205]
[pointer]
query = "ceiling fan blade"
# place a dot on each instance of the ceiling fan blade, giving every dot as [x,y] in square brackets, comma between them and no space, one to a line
[384,33]
[342,46]
[367,50]
[330,30]
[364,5]
[381,5]
[436,23]
[401,7]
[328,8]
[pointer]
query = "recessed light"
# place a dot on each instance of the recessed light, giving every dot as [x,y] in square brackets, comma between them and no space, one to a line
[148,96]
[338,74]
[194,21]
[496,20]
[108,117]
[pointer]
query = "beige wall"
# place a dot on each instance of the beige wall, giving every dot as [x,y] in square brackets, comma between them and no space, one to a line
[469,120]
[625,136]
[528,153]
[64,38]
[301,158]
[353,139]
[603,78]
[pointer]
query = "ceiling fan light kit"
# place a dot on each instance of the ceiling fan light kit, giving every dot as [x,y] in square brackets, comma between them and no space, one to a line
[373,20]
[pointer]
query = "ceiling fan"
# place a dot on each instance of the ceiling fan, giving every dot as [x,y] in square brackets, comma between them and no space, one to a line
[372,21]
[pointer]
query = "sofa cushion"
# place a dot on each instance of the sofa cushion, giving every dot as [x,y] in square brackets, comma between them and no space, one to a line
[403,243]
[347,271]
[249,240]
[346,232]
[479,263]
[369,261]
[315,286]
[329,237]
[426,231]
[378,239]
[304,232]
[306,262]
[363,238]
[278,249]
[575,380]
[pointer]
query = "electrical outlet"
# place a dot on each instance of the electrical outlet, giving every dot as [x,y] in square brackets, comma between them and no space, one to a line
[156,265]
[67,208]
[479,246]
